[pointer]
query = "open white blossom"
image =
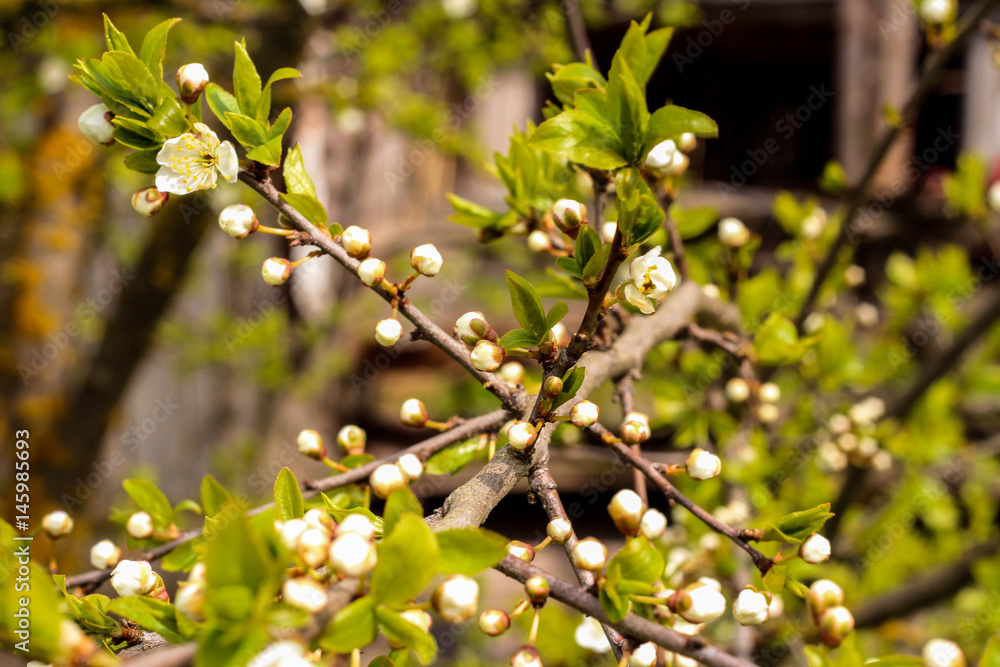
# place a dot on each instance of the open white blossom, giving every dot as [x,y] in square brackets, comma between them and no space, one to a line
[189,162]
[652,277]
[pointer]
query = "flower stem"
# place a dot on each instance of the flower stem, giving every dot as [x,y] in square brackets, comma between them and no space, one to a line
[534,627]
[544,543]
[275,231]
[334,464]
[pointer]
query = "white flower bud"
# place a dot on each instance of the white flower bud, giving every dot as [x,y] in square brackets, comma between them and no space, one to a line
[881,461]
[559,530]
[835,625]
[413,413]
[56,524]
[276,270]
[494,622]
[678,165]
[854,275]
[386,478]
[653,524]
[626,510]
[942,653]
[737,390]
[768,413]
[776,608]
[733,233]
[824,594]
[569,214]
[310,444]
[456,599]
[356,523]
[815,549]
[585,414]
[352,555]
[661,155]
[190,600]
[411,466]
[526,656]
[936,12]
[813,323]
[589,635]
[487,356]
[139,525]
[95,124]
[511,373]
[317,518]
[281,654]
[590,554]
[132,577]
[608,231]
[388,331]
[371,271]
[698,603]
[814,224]
[687,142]
[149,201]
[539,241]
[866,314]
[643,656]
[352,439]
[769,393]
[635,428]
[238,221]
[312,545]
[522,435]
[521,550]
[426,260]
[702,465]
[356,241]
[417,617]
[191,80]
[472,327]
[105,554]
[751,607]
[289,532]
[304,593]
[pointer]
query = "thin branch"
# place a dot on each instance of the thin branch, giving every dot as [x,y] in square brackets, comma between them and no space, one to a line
[966,27]
[578,31]
[625,392]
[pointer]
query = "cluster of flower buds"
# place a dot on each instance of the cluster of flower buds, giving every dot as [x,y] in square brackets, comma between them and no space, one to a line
[388,331]
[132,577]
[702,464]
[651,276]
[190,599]
[352,551]
[238,220]
[569,215]
[668,157]
[57,524]
[494,622]
[752,607]
[191,81]
[352,439]
[852,438]
[767,410]
[815,549]
[627,511]
[635,428]
[426,260]
[733,233]
[139,525]
[388,477]
[833,620]
[105,554]
[472,328]
[522,435]
[456,599]
[149,201]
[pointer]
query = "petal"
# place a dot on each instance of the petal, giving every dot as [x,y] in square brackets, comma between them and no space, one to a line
[227,162]
[206,136]
[171,148]
[637,298]
[637,270]
[204,180]
[168,180]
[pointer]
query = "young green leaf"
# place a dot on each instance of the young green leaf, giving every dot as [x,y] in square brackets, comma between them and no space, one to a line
[214,496]
[452,459]
[246,81]
[263,109]
[470,550]
[692,222]
[154,47]
[151,500]
[143,162]
[527,304]
[310,207]
[797,526]
[115,38]
[287,496]
[518,338]
[672,121]
[297,179]
[401,631]
[572,381]
[399,503]
[777,342]
[556,314]
[407,561]
[169,118]
[222,103]
[153,615]
[352,627]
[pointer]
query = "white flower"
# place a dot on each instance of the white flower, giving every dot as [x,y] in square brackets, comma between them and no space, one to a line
[942,653]
[769,393]
[191,80]
[539,241]
[388,331]
[653,524]
[471,327]
[276,270]
[352,555]
[304,593]
[139,525]
[559,530]
[698,603]
[426,259]
[385,479]
[238,220]
[411,466]
[626,510]
[687,142]
[643,656]
[750,607]
[352,439]
[568,214]
[95,124]
[522,435]
[661,155]
[702,465]
[190,600]
[494,622]
[815,549]
[189,162]
[413,412]
[936,11]
[149,201]
[133,577]
[356,241]
[281,654]
[590,554]
[310,444]
[371,271]
[652,277]
[737,390]
[312,545]
[589,635]
[56,524]
[358,524]
[487,356]
[635,428]
[105,554]
[456,599]
[993,196]
[733,233]
[585,414]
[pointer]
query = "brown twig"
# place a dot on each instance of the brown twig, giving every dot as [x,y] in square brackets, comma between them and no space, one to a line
[578,31]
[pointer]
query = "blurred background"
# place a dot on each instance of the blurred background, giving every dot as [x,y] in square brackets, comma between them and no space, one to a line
[151,347]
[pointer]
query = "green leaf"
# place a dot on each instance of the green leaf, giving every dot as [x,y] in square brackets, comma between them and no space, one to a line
[672,121]
[587,244]
[555,315]
[246,80]
[214,496]
[115,38]
[643,52]
[582,137]
[470,550]
[626,104]
[310,207]
[797,588]
[263,109]
[473,215]
[639,560]
[280,125]
[451,459]
[401,631]
[187,505]
[815,656]
[777,342]
[181,558]
[797,526]
[169,118]
[143,162]
[572,381]
[356,460]
[570,266]
[518,338]
[407,561]
[595,267]
[153,615]
[268,153]
[248,131]
[353,627]
[692,222]
[567,79]
[297,179]
[154,47]
[236,556]
[615,605]
[150,499]
[399,503]
[527,304]
[138,85]
[900,661]
[222,103]
[775,578]
[639,217]
[287,496]
[135,134]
